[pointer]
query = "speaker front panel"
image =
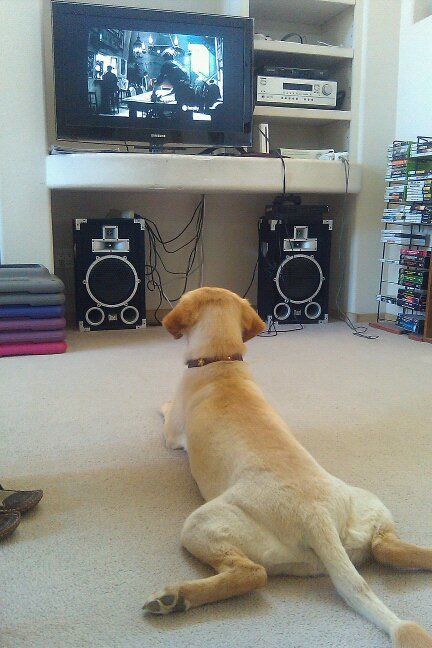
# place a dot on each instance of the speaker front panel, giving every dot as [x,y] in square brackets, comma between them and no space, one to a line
[293,270]
[109,274]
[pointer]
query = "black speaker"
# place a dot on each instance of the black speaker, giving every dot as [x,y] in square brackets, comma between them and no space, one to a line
[109,273]
[294,265]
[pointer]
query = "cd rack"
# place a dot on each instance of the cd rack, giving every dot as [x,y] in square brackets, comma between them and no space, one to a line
[404,299]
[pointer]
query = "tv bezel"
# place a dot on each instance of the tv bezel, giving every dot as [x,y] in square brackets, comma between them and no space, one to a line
[158,137]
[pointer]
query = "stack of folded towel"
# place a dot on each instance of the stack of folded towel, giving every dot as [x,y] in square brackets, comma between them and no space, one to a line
[31,311]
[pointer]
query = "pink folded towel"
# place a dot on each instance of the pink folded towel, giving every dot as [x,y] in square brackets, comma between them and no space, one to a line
[32,349]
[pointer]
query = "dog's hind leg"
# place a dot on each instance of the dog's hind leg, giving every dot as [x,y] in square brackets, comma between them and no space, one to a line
[210,534]
[388,549]
[325,541]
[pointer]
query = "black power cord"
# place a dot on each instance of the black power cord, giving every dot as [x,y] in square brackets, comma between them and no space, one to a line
[287,36]
[156,261]
[358,330]
[280,156]
[252,279]
[272,330]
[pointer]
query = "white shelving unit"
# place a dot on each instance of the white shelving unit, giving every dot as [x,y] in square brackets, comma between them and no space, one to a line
[315,116]
[307,12]
[334,22]
[301,53]
[330,21]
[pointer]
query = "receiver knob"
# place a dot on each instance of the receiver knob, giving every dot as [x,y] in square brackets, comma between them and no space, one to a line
[326,89]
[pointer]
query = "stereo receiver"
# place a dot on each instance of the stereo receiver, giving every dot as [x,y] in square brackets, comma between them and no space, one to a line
[285,91]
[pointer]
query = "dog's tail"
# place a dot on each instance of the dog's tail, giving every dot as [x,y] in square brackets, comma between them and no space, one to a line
[324,540]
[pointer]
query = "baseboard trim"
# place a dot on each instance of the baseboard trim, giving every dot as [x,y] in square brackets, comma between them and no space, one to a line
[151,317]
[356,318]
[362,317]
[334,315]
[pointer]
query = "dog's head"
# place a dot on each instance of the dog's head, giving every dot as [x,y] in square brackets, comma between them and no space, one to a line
[220,307]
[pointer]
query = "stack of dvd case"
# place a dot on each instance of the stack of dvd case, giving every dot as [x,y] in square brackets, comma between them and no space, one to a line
[419,191]
[421,148]
[408,198]
[418,214]
[411,323]
[401,237]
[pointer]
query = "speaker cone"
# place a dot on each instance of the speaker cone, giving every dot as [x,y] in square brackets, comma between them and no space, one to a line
[312,310]
[299,278]
[111,281]
[129,315]
[95,316]
[282,311]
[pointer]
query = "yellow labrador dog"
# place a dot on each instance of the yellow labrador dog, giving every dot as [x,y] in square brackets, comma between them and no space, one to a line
[271,508]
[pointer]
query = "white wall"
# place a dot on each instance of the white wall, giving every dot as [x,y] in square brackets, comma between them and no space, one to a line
[414,103]
[376,95]
[25,216]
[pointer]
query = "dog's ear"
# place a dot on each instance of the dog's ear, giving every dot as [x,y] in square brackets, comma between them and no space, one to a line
[252,323]
[179,319]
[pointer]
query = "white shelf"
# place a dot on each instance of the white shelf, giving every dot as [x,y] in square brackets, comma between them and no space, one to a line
[313,116]
[313,12]
[196,174]
[301,53]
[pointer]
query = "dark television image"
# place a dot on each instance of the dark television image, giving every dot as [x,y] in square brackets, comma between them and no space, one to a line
[152,76]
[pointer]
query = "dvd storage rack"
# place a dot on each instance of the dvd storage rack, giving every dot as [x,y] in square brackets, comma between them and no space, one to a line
[405,288]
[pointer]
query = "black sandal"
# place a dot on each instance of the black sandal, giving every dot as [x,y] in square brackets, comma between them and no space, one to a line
[22,501]
[9,521]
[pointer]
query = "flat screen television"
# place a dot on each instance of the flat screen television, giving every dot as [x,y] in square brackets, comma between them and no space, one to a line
[139,75]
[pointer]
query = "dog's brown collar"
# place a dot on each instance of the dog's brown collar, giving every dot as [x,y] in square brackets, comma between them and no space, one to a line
[201,362]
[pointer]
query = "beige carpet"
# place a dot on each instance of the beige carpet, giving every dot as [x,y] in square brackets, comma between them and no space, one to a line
[85,428]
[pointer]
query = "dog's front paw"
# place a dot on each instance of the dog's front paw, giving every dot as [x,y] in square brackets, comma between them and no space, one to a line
[165,409]
[173,443]
[167,602]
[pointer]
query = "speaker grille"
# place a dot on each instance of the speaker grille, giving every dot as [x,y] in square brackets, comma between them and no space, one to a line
[299,278]
[111,281]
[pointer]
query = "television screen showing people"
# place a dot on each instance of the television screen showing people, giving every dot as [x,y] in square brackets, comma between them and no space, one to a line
[154,76]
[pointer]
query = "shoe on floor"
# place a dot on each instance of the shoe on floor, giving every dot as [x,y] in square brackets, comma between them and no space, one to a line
[22,501]
[9,521]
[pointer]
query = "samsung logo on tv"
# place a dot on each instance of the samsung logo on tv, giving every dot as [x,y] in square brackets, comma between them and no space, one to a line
[157,135]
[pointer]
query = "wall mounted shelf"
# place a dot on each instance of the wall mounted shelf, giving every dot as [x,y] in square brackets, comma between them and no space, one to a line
[313,116]
[196,173]
[301,53]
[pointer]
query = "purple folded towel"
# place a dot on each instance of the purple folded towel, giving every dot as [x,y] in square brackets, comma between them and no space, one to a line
[19,310]
[29,324]
[18,337]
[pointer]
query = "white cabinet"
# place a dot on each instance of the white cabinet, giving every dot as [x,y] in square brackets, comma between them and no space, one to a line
[328,29]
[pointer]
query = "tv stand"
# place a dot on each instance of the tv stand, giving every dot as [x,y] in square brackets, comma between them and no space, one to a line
[197,173]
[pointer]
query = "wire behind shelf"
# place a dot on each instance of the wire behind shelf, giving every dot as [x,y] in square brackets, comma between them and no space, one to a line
[155,262]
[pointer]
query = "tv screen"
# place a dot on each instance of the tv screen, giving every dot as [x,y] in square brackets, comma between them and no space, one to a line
[141,75]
